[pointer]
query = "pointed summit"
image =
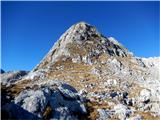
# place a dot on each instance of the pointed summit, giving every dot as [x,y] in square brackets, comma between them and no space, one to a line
[82,24]
[79,32]
[82,43]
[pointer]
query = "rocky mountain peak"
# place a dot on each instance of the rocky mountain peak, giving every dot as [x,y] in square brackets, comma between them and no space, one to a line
[83,43]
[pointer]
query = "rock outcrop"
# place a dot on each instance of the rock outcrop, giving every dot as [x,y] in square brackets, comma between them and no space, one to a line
[11,77]
[51,100]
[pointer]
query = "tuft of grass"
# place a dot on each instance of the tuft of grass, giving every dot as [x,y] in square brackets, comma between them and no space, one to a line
[92,109]
[147,116]
[47,112]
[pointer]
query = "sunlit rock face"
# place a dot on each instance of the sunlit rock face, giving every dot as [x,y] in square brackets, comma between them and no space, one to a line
[7,78]
[86,75]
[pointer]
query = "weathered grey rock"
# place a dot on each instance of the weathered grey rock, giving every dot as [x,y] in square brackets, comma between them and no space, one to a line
[87,60]
[33,101]
[129,102]
[122,111]
[64,101]
[77,59]
[145,95]
[137,117]
[110,83]
[96,71]
[62,113]
[155,109]
[68,91]
[82,92]
[69,106]
[104,114]
[11,111]
[35,75]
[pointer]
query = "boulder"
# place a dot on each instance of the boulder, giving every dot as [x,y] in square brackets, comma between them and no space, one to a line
[33,101]
[64,101]
[104,114]
[68,91]
[155,109]
[122,111]
[12,111]
[110,83]
[137,117]
[36,75]
[145,95]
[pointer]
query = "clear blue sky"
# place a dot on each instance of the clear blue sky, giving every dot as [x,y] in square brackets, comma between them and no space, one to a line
[29,29]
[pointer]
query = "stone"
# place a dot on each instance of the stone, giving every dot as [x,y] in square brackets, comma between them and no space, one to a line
[96,71]
[110,83]
[155,109]
[35,75]
[11,110]
[137,117]
[104,114]
[87,60]
[113,94]
[64,101]
[76,59]
[128,102]
[82,92]
[33,101]
[63,106]
[122,111]
[145,95]
[68,91]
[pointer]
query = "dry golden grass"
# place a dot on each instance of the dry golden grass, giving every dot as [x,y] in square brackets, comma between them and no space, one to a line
[76,49]
[147,116]
[92,109]
[73,73]
[17,88]
[47,112]
[135,91]
[103,57]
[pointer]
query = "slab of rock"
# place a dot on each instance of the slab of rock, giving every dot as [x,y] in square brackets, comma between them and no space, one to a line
[122,111]
[145,95]
[104,114]
[64,101]
[12,111]
[68,91]
[33,101]
[137,117]
[155,109]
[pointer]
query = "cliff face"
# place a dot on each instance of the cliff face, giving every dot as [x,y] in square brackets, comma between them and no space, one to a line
[111,82]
